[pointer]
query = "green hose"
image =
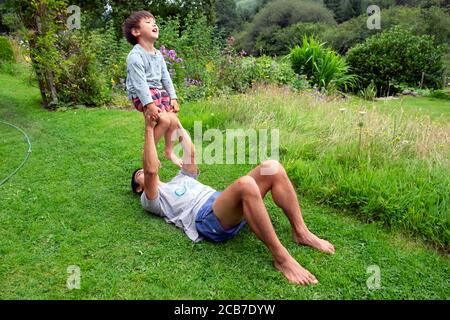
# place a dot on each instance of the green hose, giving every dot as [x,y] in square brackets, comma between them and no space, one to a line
[26,156]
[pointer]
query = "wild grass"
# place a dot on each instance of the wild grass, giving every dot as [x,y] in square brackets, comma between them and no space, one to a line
[386,165]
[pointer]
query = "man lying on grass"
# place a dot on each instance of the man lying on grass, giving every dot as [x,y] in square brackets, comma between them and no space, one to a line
[202,212]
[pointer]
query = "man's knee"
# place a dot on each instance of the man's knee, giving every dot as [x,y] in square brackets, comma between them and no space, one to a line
[271,168]
[247,186]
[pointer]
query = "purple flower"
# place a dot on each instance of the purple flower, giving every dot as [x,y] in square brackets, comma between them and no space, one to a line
[172,54]
[178,60]
[192,82]
[163,50]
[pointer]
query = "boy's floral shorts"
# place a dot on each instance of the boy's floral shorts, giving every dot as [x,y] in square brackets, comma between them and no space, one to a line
[160,97]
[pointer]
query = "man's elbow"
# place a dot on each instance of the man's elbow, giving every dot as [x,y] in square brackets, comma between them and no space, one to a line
[151,172]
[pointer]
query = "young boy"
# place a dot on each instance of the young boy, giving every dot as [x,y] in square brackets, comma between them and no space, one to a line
[148,82]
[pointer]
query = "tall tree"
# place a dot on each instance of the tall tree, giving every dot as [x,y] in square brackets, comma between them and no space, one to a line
[344,9]
[119,10]
[43,19]
[227,15]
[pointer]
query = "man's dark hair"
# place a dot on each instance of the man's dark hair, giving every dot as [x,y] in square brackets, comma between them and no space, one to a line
[134,184]
[133,22]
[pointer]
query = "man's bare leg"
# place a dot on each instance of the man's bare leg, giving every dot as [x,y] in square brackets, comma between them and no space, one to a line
[243,199]
[284,196]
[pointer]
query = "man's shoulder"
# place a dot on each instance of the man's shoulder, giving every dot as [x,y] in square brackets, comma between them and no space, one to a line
[152,205]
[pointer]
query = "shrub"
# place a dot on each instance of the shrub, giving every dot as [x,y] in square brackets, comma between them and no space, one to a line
[239,73]
[287,38]
[432,21]
[199,44]
[322,66]
[260,36]
[6,50]
[439,94]
[397,57]
[79,78]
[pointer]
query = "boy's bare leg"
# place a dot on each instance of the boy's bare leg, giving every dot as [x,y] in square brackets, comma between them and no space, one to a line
[284,196]
[169,137]
[162,126]
[189,164]
[243,199]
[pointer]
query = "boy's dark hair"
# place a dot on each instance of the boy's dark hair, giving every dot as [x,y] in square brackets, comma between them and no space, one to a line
[132,22]
[134,184]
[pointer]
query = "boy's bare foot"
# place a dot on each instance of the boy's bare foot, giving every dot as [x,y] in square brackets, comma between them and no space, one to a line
[307,238]
[294,272]
[169,155]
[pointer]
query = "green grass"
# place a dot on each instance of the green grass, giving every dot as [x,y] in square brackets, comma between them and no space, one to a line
[437,109]
[71,205]
[383,165]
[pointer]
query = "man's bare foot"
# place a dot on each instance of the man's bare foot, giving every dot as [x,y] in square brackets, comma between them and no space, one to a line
[308,238]
[169,155]
[294,272]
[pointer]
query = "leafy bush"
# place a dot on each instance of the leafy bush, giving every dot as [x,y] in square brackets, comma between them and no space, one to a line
[439,94]
[322,66]
[239,73]
[6,50]
[81,75]
[286,38]
[433,21]
[397,57]
[345,10]
[199,44]
[260,36]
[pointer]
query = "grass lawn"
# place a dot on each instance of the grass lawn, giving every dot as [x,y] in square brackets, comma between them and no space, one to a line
[71,205]
[437,109]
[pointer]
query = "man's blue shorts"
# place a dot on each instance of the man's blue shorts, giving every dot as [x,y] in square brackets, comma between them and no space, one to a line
[209,226]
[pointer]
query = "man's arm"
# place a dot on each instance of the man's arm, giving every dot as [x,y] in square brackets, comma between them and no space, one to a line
[151,162]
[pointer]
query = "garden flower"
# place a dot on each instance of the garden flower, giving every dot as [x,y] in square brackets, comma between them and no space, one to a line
[163,50]
[172,54]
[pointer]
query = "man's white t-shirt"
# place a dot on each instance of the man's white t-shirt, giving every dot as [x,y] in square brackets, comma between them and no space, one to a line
[178,202]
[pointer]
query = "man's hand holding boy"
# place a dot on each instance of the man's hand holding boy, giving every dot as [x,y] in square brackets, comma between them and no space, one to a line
[152,111]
